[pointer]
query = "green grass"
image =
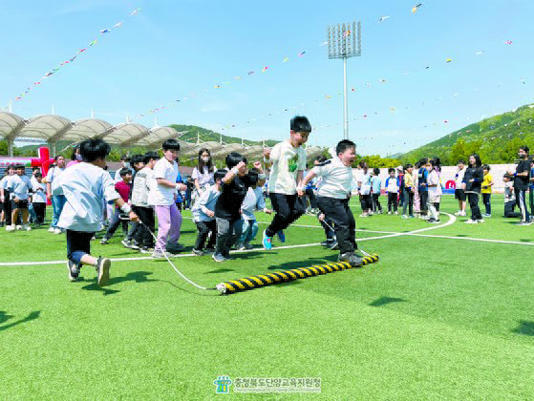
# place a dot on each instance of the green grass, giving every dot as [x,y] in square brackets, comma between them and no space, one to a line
[435,319]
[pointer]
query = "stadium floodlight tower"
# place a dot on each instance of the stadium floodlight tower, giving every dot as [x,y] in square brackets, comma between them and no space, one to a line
[345,41]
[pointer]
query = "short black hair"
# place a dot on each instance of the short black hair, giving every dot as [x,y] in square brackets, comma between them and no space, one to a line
[300,124]
[320,159]
[362,163]
[391,170]
[525,148]
[234,158]
[508,176]
[125,171]
[38,175]
[20,166]
[407,166]
[125,158]
[486,167]
[219,174]
[344,145]
[151,156]
[137,159]
[461,161]
[93,149]
[170,144]
[376,170]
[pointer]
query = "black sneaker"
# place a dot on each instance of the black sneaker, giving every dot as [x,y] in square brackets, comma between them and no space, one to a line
[102,268]
[354,260]
[175,248]
[197,252]
[328,242]
[74,271]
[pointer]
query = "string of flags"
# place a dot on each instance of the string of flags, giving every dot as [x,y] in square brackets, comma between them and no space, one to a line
[71,60]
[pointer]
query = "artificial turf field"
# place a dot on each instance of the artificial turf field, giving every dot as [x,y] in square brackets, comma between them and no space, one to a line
[441,316]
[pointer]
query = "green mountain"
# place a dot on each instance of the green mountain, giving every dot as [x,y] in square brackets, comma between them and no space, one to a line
[495,139]
[207,135]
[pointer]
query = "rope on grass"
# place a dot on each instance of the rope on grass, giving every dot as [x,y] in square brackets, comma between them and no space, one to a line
[262,280]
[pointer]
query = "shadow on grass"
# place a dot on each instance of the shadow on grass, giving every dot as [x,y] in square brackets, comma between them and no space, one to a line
[385,300]
[305,263]
[222,270]
[525,240]
[525,328]
[5,317]
[138,277]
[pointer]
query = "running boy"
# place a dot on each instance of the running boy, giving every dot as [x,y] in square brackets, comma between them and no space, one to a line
[235,185]
[84,185]
[288,161]
[333,198]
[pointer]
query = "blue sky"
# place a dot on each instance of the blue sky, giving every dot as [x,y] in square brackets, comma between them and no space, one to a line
[172,50]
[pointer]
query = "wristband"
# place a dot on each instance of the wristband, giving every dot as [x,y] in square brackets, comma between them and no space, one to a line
[235,170]
[126,208]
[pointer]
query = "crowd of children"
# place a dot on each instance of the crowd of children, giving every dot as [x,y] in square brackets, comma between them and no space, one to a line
[85,198]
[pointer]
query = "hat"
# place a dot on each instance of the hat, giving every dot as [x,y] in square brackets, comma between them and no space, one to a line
[400,168]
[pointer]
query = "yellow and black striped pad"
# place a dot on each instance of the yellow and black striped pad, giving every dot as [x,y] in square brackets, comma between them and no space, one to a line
[261,280]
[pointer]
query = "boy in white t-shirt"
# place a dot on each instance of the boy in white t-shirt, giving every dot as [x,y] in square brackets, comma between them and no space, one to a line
[162,195]
[333,196]
[19,186]
[84,185]
[288,161]
[392,188]
[39,198]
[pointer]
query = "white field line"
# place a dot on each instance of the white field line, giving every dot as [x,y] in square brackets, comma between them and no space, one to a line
[390,234]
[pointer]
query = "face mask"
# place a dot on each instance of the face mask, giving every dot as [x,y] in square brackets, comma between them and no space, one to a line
[78,157]
[205,159]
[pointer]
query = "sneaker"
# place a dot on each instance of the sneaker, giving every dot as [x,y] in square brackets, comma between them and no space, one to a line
[102,268]
[217,257]
[227,256]
[157,254]
[328,242]
[134,245]
[126,243]
[146,250]
[463,214]
[524,223]
[267,242]
[333,246]
[389,213]
[175,248]
[470,221]
[364,215]
[51,229]
[26,227]
[457,213]
[404,216]
[480,221]
[396,213]
[57,230]
[18,227]
[104,241]
[431,220]
[248,246]
[74,271]
[354,260]
[411,216]
[281,236]
[197,252]
[10,228]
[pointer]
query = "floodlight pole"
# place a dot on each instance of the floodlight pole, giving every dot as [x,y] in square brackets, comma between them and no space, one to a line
[344,41]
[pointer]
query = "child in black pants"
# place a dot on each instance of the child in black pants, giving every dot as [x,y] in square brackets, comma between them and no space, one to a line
[235,185]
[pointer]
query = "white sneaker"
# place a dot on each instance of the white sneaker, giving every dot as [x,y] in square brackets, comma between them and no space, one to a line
[389,213]
[404,216]
[57,230]
[396,213]
[470,222]
[463,214]
[26,227]
[481,221]
[18,227]
[10,228]
[458,213]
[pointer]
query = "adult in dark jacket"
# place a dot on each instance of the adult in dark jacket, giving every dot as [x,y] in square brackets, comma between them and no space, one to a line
[474,175]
